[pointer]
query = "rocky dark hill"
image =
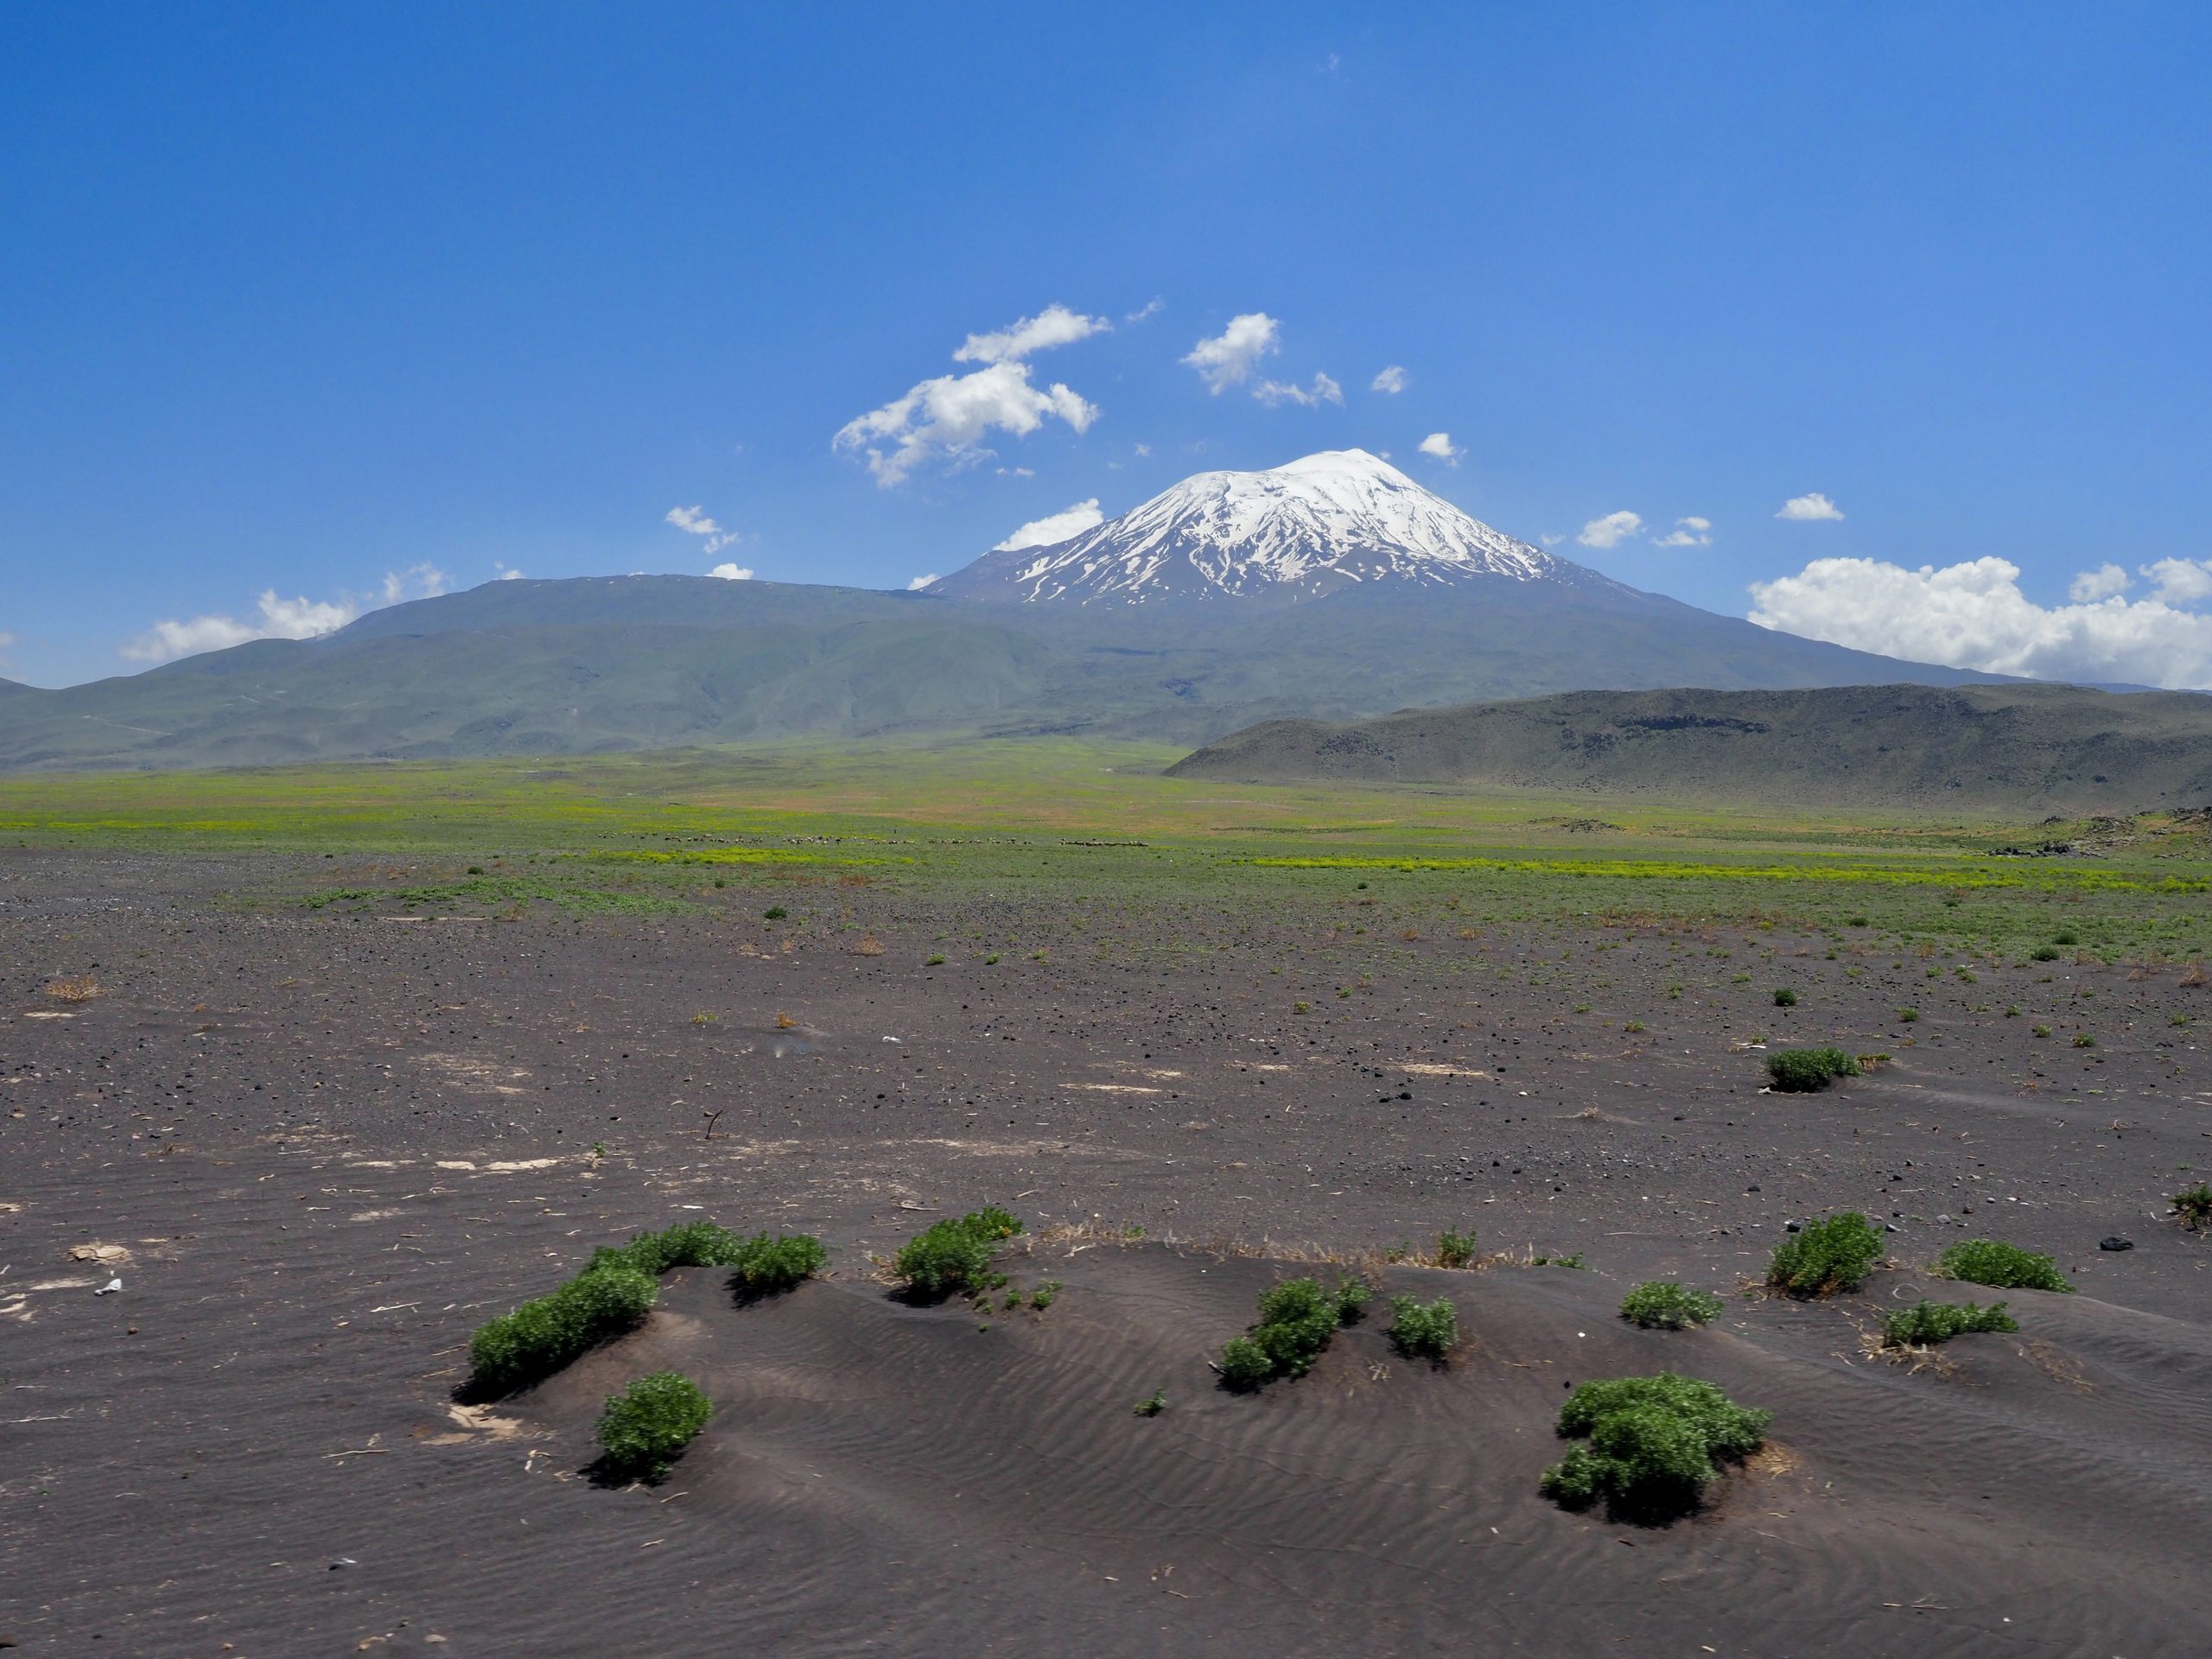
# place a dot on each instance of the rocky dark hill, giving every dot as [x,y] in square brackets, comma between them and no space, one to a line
[2010,747]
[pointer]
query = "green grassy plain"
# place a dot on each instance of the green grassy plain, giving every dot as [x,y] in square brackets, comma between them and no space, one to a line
[1054,820]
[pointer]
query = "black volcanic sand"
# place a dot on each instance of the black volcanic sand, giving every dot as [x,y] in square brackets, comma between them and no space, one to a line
[331,1146]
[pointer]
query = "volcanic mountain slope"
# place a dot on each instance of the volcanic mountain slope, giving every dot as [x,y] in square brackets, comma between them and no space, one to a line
[1333,588]
[1299,532]
[2039,747]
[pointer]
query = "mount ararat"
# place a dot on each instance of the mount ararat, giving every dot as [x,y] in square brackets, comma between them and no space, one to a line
[1334,588]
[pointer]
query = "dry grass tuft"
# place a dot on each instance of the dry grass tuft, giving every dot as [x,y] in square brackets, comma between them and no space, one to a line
[869,946]
[2193,975]
[82,988]
[784,1021]
[1872,1345]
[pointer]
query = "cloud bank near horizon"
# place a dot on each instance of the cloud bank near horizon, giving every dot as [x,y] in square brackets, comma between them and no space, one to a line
[1974,615]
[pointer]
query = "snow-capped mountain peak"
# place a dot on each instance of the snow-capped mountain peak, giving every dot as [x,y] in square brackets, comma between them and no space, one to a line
[1301,531]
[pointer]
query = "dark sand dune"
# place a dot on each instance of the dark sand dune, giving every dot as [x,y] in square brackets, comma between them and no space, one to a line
[332,1147]
[908,1482]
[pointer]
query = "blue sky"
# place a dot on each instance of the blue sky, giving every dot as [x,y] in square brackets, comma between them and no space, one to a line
[299,301]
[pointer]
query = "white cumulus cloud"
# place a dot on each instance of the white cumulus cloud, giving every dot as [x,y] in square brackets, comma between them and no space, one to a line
[1229,358]
[2103,582]
[1053,527]
[1152,308]
[1324,390]
[733,572]
[1611,529]
[2179,582]
[694,521]
[945,419]
[921,582]
[1974,615]
[1054,326]
[279,618]
[1808,507]
[1439,445]
[1692,532]
[1392,381]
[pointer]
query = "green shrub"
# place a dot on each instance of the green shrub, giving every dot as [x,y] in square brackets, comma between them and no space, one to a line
[687,1244]
[2193,1205]
[1297,1319]
[1785,997]
[1802,1071]
[1665,1305]
[1908,1015]
[1653,1443]
[1454,1248]
[775,912]
[2043,953]
[2067,937]
[1828,1255]
[766,1266]
[541,1336]
[2083,1039]
[1430,1330]
[645,1426]
[1924,1323]
[954,1255]
[1153,1404]
[2001,1267]
[1244,1363]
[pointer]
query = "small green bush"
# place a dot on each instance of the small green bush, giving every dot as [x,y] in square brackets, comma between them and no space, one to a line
[614,1291]
[1908,1015]
[2067,937]
[2193,1207]
[775,912]
[1666,1305]
[2001,1267]
[541,1336]
[1297,1319]
[1653,1443]
[954,1255]
[1785,997]
[2083,1039]
[645,1426]
[766,1266]
[1826,1256]
[2043,953]
[1244,1363]
[1802,1071]
[1430,1330]
[687,1244]
[1924,1323]
[1455,1249]
[1153,1404]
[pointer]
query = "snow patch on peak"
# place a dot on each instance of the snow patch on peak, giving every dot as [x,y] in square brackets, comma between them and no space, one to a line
[1302,530]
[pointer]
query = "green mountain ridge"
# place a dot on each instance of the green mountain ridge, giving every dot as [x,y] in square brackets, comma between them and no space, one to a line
[603,664]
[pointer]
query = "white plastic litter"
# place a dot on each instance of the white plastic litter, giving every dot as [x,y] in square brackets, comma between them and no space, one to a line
[891,1040]
[112,1285]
